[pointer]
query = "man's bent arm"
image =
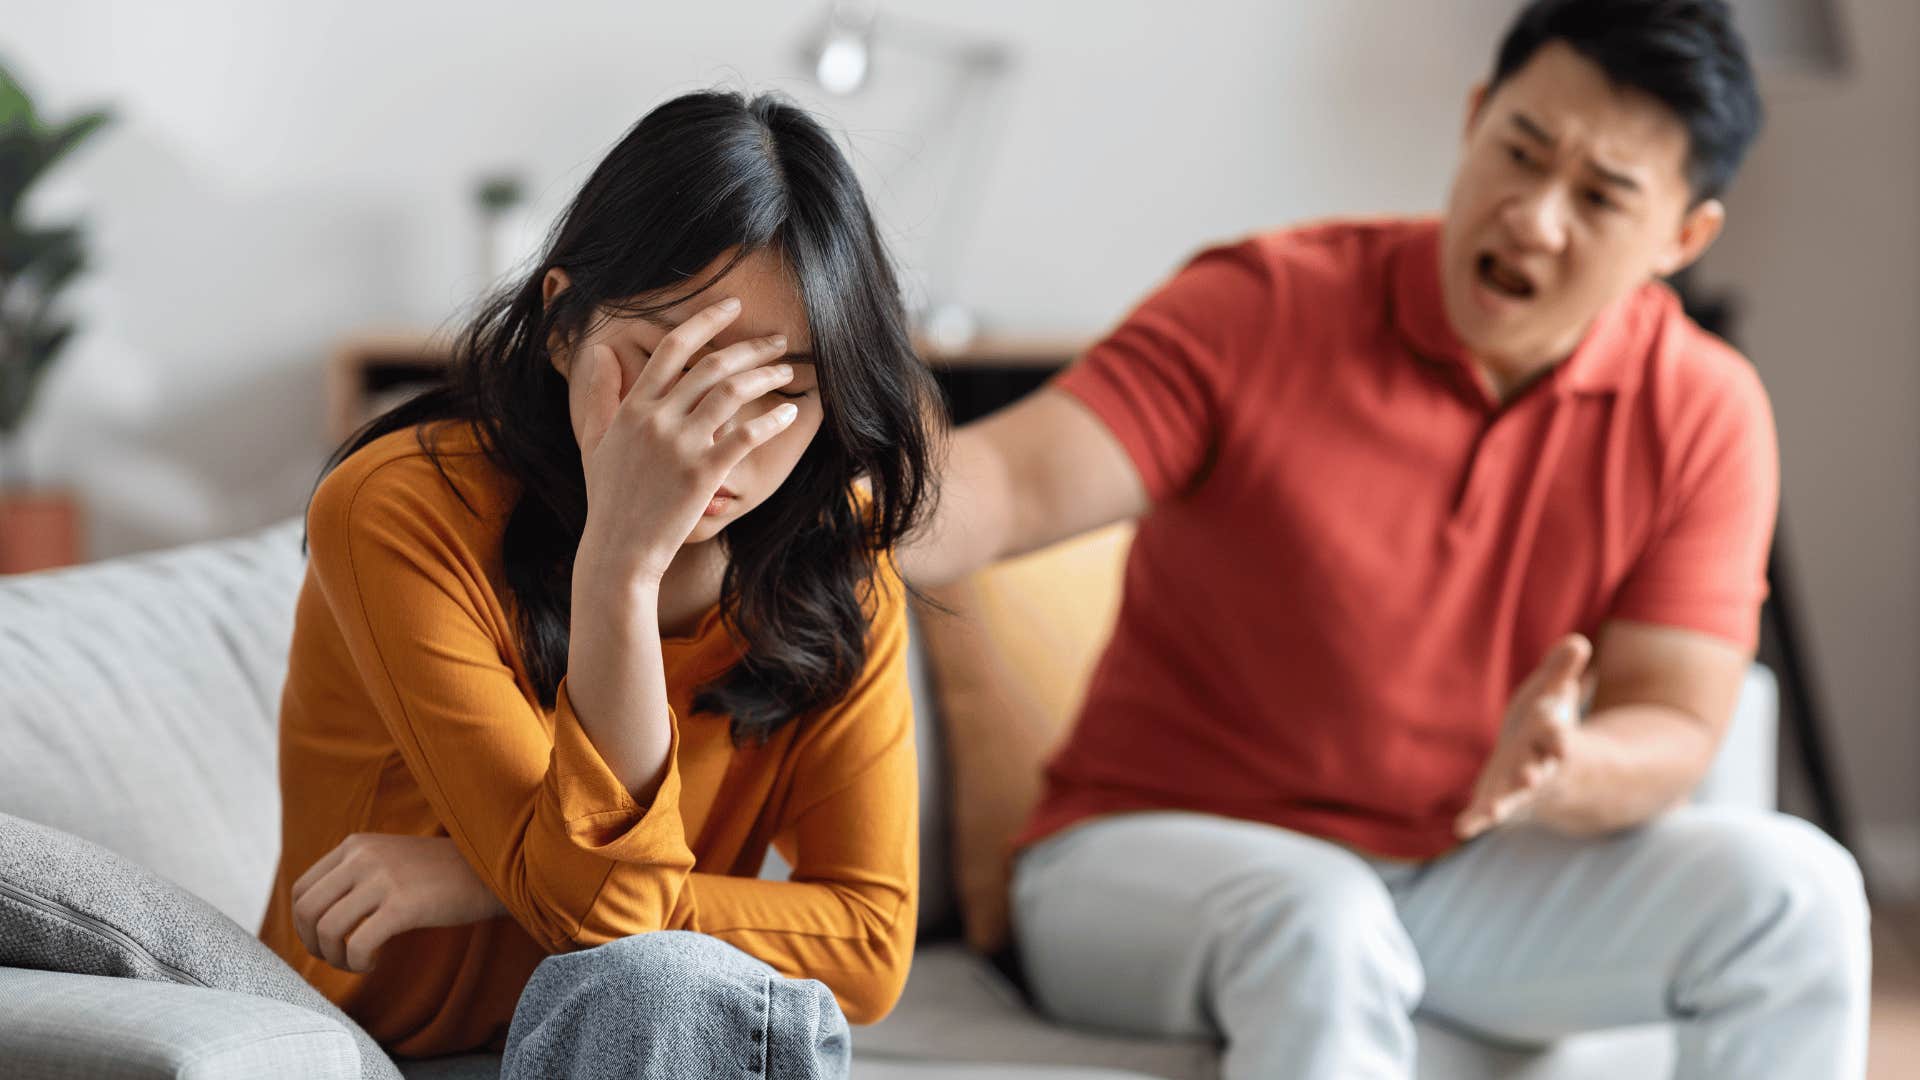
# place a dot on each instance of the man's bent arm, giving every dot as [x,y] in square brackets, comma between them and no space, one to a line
[1662,703]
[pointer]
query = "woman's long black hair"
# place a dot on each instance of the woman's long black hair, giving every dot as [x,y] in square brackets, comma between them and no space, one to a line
[702,176]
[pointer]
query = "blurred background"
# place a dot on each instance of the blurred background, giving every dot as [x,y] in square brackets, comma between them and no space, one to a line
[279,180]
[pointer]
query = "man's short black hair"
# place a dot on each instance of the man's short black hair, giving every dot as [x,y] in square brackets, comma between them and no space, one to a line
[1685,53]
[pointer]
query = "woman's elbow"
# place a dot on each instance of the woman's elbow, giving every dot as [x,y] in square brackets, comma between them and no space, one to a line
[868,996]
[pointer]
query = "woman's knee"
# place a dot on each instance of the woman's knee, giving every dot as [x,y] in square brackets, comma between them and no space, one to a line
[677,1002]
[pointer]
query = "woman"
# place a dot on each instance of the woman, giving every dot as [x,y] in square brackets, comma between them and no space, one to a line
[586,630]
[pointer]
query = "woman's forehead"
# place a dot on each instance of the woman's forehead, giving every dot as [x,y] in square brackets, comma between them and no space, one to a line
[769,298]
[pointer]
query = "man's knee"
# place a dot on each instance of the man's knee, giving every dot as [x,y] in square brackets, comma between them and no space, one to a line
[1324,927]
[1796,890]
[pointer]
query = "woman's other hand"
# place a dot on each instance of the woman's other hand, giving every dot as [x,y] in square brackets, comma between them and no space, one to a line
[374,886]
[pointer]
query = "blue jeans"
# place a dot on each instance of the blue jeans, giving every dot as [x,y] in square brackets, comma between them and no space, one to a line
[672,1004]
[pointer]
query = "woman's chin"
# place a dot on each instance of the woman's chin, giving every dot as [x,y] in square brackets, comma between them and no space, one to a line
[708,528]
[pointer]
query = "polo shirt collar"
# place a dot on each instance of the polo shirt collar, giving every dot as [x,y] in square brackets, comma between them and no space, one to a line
[1605,361]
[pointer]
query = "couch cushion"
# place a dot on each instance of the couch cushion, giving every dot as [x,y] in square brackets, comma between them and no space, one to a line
[1011,659]
[939,915]
[141,703]
[957,1008]
[69,905]
[61,1025]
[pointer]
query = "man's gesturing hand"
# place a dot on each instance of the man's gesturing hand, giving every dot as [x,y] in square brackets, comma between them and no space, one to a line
[1541,730]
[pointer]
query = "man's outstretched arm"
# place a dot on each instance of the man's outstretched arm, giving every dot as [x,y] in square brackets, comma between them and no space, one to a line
[1035,473]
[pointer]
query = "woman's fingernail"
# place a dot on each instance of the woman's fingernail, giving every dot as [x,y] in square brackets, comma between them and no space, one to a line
[786,413]
[731,303]
[777,341]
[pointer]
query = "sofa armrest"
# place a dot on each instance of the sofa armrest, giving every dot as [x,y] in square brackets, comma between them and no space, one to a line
[60,1026]
[1746,771]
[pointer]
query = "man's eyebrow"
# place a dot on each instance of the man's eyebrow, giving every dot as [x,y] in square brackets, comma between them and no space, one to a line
[1617,179]
[1534,131]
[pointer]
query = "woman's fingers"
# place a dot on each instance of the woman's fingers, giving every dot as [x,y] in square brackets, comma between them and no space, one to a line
[341,918]
[318,896]
[742,439]
[317,871]
[725,401]
[680,346]
[364,940]
[717,367]
[593,395]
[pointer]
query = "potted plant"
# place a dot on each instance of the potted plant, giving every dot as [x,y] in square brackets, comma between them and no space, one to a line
[38,527]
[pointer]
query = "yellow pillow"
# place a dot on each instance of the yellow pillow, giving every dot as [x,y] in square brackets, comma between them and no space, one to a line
[1010,668]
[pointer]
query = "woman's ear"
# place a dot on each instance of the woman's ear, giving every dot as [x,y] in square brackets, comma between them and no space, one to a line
[553,284]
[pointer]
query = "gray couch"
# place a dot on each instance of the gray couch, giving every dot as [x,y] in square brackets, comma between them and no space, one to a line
[137,710]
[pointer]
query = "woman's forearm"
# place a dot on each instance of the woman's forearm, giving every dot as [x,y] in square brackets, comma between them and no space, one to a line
[615,674]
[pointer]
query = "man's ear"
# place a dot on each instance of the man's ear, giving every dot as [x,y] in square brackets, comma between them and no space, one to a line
[553,284]
[1698,230]
[1476,98]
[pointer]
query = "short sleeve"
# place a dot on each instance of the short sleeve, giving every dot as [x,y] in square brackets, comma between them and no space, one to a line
[1163,378]
[1705,567]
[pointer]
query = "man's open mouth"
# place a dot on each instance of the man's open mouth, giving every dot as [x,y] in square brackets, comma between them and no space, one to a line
[1503,278]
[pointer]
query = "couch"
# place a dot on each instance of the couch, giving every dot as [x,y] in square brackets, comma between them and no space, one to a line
[138,700]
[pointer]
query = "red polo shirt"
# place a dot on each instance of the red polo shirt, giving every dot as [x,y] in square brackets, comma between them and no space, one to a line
[1355,553]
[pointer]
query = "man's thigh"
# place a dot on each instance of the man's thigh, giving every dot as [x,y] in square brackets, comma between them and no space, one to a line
[1529,935]
[1137,922]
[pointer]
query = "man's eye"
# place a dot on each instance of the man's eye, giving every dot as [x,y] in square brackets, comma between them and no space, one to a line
[1599,200]
[1519,156]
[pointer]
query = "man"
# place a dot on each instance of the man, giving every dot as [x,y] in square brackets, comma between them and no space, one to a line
[1411,494]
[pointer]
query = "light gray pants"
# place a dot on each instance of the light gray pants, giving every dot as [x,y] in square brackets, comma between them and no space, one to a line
[668,1005]
[1746,929]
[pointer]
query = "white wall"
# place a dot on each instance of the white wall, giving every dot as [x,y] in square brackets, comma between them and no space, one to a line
[1823,249]
[285,173]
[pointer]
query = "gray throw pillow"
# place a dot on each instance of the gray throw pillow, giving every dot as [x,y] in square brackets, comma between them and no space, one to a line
[70,905]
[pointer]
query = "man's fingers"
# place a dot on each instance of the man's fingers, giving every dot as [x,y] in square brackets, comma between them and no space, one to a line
[1511,804]
[1566,662]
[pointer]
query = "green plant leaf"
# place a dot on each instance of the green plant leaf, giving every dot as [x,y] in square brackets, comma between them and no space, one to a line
[21,250]
[30,367]
[15,106]
[66,138]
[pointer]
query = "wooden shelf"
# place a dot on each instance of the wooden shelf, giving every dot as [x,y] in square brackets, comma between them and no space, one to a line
[370,368]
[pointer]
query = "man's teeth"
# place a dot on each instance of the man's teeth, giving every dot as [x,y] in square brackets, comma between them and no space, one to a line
[1506,280]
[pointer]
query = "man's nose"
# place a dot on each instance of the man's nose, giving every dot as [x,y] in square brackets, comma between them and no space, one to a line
[1537,218]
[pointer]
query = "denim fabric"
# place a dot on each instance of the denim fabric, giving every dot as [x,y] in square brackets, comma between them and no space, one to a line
[672,1004]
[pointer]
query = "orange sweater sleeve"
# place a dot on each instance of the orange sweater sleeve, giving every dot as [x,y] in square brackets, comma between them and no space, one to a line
[850,830]
[537,813]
